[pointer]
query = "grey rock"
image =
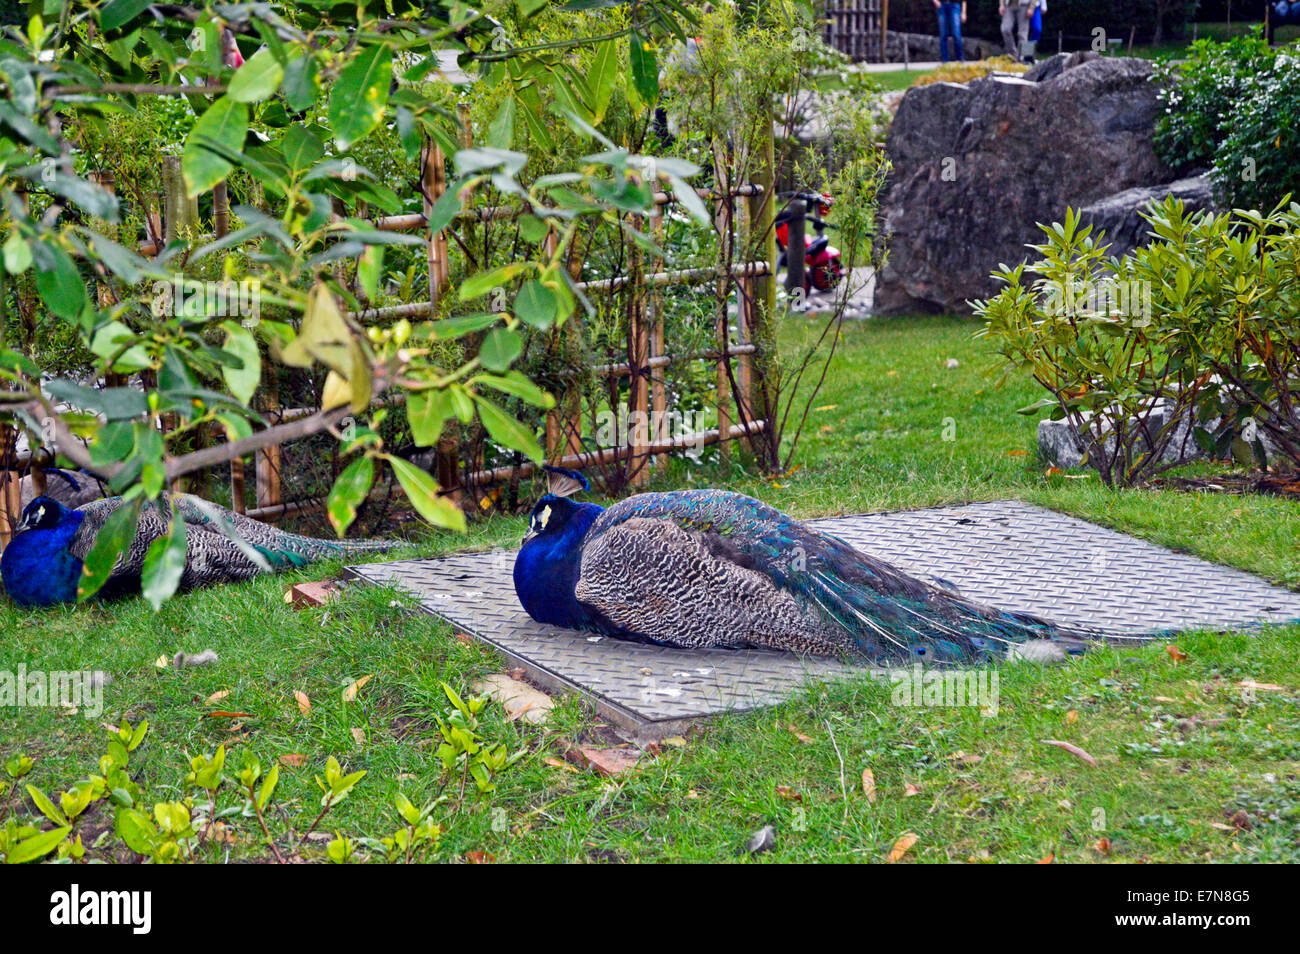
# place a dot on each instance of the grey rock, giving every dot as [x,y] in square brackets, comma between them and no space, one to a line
[1120,215]
[977,167]
[1059,443]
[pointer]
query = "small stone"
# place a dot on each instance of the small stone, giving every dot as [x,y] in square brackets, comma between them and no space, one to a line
[303,595]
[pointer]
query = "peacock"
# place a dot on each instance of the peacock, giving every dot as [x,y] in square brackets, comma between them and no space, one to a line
[713,569]
[42,564]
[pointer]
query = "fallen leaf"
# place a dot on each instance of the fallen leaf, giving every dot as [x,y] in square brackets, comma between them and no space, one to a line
[1053,472]
[798,735]
[1103,845]
[869,785]
[479,858]
[304,704]
[1072,716]
[222,714]
[1072,749]
[1263,686]
[1046,861]
[560,764]
[1176,654]
[901,847]
[1239,820]
[966,758]
[358,735]
[676,741]
[1164,699]
[351,691]
[1017,453]
[162,662]
[293,759]
[909,790]
[218,696]
[788,793]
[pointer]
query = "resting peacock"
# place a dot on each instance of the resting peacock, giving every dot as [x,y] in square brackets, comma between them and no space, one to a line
[710,568]
[43,563]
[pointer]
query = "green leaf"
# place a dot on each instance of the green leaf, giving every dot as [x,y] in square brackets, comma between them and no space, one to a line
[242,381]
[58,282]
[370,268]
[17,253]
[502,128]
[422,490]
[517,385]
[444,210]
[117,12]
[603,76]
[302,149]
[427,412]
[268,787]
[359,97]
[300,86]
[536,304]
[114,537]
[506,431]
[500,349]
[224,123]
[37,846]
[164,564]
[478,285]
[46,806]
[349,492]
[645,72]
[257,79]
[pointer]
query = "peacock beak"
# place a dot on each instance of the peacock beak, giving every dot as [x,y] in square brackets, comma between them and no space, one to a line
[528,536]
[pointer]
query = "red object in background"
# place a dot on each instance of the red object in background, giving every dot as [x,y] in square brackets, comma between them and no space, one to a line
[230,54]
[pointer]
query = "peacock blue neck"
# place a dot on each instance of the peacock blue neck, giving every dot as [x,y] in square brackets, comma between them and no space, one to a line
[38,567]
[547,567]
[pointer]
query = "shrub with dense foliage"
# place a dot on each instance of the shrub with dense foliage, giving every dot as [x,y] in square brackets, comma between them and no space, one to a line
[1234,109]
[1200,328]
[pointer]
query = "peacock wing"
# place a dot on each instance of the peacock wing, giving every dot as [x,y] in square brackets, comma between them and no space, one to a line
[650,579]
[885,611]
[152,524]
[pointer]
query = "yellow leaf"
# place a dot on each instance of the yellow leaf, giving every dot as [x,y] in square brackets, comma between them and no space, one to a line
[901,847]
[869,785]
[909,790]
[304,704]
[336,392]
[1072,716]
[358,735]
[218,696]
[162,662]
[351,691]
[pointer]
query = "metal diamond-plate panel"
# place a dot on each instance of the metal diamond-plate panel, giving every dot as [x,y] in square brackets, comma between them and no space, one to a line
[1010,554]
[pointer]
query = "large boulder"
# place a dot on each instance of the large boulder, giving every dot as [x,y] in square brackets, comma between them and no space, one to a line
[1120,215]
[977,167]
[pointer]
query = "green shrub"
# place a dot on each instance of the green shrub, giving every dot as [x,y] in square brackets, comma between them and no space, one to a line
[1233,108]
[1205,321]
[1082,328]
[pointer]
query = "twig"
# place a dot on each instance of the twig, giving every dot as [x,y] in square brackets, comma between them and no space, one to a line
[844,791]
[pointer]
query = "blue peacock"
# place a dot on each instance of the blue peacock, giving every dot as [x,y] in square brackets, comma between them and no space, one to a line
[711,568]
[42,564]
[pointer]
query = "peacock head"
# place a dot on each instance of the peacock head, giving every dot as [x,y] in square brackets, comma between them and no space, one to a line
[554,511]
[43,513]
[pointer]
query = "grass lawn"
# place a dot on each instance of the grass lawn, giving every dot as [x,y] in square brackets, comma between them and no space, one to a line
[1189,767]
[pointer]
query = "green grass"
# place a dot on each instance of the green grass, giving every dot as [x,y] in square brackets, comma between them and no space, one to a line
[896,79]
[1180,748]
